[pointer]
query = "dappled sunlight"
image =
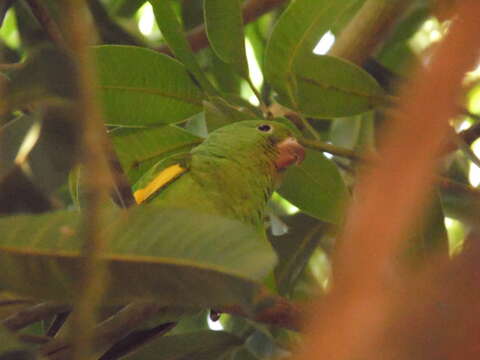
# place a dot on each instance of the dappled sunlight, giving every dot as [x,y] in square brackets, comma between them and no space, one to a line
[324,44]
[146,22]
[474,173]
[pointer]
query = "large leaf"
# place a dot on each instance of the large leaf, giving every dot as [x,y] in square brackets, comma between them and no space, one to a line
[175,257]
[326,86]
[139,149]
[173,33]
[316,187]
[142,87]
[224,25]
[295,34]
[202,345]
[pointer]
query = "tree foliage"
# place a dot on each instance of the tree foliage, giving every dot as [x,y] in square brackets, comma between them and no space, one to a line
[157,89]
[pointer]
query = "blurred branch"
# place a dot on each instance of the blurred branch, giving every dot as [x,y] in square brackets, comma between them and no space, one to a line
[252,10]
[91,284]
[8,67]
[389,199]
[49,25]
[273,310]
[368,29]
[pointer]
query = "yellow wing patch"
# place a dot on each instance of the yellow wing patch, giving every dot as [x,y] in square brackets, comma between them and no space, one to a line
[164,177]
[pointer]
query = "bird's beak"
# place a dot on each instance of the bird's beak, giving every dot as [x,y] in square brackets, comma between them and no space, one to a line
[289,152]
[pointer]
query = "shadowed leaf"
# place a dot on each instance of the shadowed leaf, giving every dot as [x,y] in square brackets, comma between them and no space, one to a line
[316,187]
[175,257]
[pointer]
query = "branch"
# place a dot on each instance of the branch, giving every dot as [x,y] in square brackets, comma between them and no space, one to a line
[368,29]
[49,25]
[252,10]
[331,149]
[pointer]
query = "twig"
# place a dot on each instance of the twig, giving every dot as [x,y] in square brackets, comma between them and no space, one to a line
[48,24]
[252,10]
[331,149]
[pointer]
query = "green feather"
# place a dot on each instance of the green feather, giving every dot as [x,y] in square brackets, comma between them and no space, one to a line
[232,173]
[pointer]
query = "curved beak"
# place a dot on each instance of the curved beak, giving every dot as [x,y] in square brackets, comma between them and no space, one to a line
[289,152]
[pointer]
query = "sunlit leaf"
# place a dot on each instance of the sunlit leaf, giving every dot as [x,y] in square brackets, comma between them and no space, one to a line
[139,86]
[176,257]
[224,25]
[316,187]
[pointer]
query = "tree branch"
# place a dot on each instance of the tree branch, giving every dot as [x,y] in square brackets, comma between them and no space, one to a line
[49,25]
[252,10]
[368,29]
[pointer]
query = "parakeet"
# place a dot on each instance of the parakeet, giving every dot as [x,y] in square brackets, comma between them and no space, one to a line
[232,173]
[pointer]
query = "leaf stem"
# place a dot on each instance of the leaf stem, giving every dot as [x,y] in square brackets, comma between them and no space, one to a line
[331,149]
[263,107]
[368,29]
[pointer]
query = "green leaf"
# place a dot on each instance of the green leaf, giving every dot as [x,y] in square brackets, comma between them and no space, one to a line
[316,187]
[295,248]
[219,112]
[139,149]
[139,86]
[173,34]
[295,34]
[224,25]
[202,345]
[330,87]
[175,257]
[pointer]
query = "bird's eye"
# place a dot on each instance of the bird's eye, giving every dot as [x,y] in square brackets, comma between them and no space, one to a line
[265,128]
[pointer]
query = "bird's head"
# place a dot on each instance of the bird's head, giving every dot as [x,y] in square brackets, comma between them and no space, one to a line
[253,138]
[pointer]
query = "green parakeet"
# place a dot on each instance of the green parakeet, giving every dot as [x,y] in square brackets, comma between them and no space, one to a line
[232,173]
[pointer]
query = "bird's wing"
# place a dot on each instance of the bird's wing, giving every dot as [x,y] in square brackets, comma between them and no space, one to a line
[160,175]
